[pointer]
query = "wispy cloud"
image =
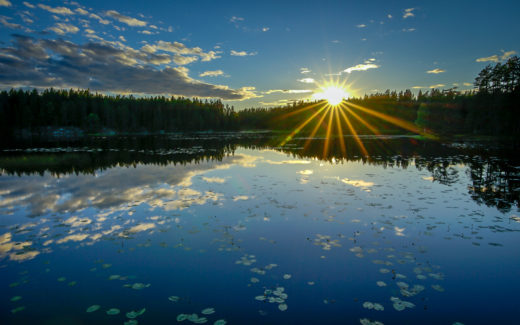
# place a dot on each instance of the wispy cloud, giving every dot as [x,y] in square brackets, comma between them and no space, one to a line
[125,19]
[431,87]
[62,29]
[99,19]
[436,71]
[212,73]
[408,29]
[408,13]
[493,58]
[56,10]
[265,29]
[81,11]
[368,64]
[29,5]
[361,26]
[307,80]
[235,19]
[304,70]
[4,22]
[181,49]
[5,3]
[496,58]
[288,91]
[242,53]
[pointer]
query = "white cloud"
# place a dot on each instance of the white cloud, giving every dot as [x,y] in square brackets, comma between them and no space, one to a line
[467,84]
[265,29]
[287,91]
[4,22]
[507,54]
[493,58]
[29,5]
[122,38]
[408,13]
[99,19]
[431,87]
[5,3]
[183,60]
[180,49]
[408,29]
[362,67]
[496,58]
[436,71]
[389,16]
[361,26]
[56,10]
[307,80]
[27,20]
[213,73]
[63,29]
[81,11]
[242,53]
[125,19]
[235,19]
[304,70]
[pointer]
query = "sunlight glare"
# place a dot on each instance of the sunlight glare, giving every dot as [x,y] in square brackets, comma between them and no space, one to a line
[333,94]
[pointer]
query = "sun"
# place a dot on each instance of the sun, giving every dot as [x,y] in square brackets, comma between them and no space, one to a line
[334,94]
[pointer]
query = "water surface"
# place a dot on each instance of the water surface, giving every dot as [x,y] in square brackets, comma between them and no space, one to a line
[415,233]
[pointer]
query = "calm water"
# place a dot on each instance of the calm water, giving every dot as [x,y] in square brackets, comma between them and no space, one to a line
[148,229]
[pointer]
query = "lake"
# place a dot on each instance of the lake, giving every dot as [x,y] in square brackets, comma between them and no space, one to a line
[246,229]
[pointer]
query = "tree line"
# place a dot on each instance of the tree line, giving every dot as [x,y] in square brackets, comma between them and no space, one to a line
[92,112]
[492,108]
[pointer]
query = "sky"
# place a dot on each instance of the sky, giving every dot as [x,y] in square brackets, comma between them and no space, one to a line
[252,53]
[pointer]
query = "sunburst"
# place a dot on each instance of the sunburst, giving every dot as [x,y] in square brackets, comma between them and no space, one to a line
[333,93]
[333,110]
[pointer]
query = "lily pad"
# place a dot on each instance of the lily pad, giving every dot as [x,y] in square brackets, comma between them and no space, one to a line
[208,311]
[113,311]
[93,308]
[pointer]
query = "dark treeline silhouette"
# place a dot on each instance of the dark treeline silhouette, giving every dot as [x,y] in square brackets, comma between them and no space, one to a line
[33,111]
[494,178]
[493,108]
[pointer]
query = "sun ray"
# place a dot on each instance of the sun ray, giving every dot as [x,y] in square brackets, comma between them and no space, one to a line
[301,126]
[365,123]
[354,133]
[327,137]
[315,130]
[340,132]
[300,110]
[394,120]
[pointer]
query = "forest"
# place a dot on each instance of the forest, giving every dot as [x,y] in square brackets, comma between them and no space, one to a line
[492,108]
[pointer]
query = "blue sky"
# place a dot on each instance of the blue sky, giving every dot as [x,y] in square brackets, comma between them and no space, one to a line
[252,53]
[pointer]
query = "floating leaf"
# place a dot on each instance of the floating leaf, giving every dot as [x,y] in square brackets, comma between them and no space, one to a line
[113,311]
[208,311]
[93,308]
[134,314]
